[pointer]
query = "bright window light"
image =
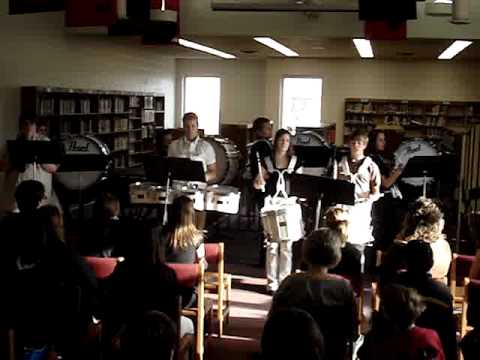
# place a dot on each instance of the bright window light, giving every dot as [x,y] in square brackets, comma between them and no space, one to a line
[455,48]
[364,48]
[301,102]
[206,49]
[275,45]
[202,96]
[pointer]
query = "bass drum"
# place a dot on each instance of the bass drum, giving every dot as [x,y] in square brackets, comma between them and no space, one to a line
[227,157]
[309,138]
[410,149]
[81,150]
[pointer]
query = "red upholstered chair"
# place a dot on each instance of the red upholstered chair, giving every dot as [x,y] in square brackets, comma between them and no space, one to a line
[102,266]
[192,276]
[218,282]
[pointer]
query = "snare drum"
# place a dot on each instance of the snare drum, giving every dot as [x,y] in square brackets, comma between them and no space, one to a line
[193,190]
[222,198]
[282,219]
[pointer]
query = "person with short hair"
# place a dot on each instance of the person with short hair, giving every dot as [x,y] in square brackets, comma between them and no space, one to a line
[292,333]
[365,175]
[152,336]
[394,336]
[17,173]
[261,146]
[52,215]
[328,298]
[192,146]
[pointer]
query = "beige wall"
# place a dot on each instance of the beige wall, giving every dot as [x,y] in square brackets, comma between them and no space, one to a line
[429,80]
[243,87]
[35,50]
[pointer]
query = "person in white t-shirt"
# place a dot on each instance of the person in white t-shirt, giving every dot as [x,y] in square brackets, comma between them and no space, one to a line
[15,175]
[195,148]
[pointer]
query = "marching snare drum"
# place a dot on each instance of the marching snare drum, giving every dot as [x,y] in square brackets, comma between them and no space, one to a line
[193,190]
[282,219]
[227,158]
[78,146]
[222,198]
[410,149]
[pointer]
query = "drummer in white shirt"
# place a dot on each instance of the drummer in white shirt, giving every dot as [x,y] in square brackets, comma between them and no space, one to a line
[191,146]
[39,172]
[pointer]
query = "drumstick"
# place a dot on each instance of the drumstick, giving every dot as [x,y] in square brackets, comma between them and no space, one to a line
[165,214]
[260,171]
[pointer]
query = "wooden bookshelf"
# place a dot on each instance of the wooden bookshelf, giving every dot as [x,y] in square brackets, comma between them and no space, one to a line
[124,120]
[425,119]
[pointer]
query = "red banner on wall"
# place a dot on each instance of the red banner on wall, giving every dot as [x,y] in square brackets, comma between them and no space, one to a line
[385,30]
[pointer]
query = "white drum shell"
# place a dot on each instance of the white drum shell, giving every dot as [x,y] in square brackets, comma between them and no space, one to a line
[410,149]
[283,222]
[224,199]
[82,145]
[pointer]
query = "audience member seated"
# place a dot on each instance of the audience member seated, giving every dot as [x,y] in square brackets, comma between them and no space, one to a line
[52,215]
[292,334]
[394,335]
[141,283]
[328,298]
[470,345]
[109,234]
[49,294]
[182,241]
[438,314]
[151,336]
[350,265]
[424,221]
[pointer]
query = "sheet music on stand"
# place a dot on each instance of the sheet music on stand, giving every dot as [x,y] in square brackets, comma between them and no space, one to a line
[159,168]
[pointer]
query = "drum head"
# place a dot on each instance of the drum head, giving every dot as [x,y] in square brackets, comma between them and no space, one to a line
[78,145]
[227,159]
[410,149]
[309,138]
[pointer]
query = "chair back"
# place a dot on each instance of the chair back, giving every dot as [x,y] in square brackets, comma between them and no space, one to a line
[459,270]
[214,253]
[188,275]
[102,266]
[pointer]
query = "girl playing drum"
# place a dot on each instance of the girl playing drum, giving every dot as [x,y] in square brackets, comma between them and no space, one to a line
[274,170]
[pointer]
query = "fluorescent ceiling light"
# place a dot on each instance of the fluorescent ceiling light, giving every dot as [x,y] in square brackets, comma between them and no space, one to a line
[443,2]
[209,50]
[275,45]
[456,47]
[364,48]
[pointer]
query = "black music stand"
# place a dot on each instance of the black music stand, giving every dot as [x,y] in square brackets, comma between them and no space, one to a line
[424,167]
[184,169]
[22,152]
[314,156]
[328,190]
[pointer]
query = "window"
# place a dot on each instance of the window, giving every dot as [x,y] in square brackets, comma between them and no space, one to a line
[301,102]
[202,96]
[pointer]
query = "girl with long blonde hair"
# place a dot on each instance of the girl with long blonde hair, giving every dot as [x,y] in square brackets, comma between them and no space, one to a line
[183,241]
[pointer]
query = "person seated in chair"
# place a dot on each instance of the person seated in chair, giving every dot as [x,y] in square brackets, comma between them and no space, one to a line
[151,336]
[182,241]
[328,298]
[394,335]
[292,334]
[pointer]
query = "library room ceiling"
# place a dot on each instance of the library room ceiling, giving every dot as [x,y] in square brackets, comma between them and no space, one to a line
[308,47]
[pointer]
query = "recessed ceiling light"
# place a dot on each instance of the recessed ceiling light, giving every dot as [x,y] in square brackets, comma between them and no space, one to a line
[275,45]
[364,48]
[455,48]
[206,49]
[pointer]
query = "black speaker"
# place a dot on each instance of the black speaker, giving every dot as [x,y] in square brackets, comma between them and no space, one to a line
[391,10]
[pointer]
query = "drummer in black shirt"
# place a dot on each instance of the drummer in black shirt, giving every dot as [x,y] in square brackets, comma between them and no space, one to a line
[387,213]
